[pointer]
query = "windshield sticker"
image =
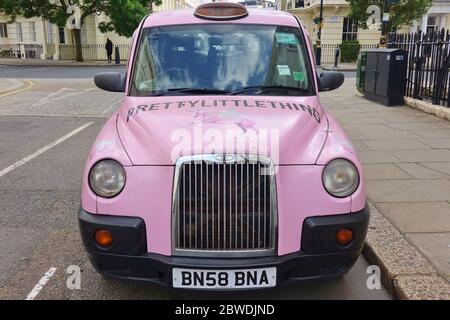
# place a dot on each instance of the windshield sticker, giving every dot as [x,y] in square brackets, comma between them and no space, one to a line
[237,103]
[298,76]
[286,38]
[283,70]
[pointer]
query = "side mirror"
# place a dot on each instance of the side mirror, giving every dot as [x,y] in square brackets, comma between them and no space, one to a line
[329,81]
[110,81]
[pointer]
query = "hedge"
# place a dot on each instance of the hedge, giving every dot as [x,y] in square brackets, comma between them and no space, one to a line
[349,51]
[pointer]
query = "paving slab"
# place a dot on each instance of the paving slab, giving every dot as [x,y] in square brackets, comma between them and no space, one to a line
[379,156]
[436,247]
[420,171]
[439,166]
[367,120]
[420,125]
[386,134]
[360,146]
[395,144]
[418,216]
[411,190]
[364,126]
[439,143]
[404,117]
[384,171]
[433,133]
[423,155]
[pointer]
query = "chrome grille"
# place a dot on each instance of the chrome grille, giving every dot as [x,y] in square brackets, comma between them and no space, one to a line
[224,205]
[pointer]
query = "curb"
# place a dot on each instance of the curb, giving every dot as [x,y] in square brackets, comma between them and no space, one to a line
[339,69]
[405,272]
[437,110]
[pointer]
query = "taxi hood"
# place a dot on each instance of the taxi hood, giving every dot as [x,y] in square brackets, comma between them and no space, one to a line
[158,130]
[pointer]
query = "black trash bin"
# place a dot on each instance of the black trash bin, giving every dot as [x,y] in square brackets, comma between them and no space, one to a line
[385,76]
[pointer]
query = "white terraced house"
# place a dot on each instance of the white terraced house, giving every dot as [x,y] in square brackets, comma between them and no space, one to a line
[40,39]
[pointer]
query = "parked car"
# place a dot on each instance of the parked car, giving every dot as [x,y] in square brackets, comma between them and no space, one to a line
[221,169]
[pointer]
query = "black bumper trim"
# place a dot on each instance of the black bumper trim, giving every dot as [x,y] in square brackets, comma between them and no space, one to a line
[129,235]
[318,235]
[130,260]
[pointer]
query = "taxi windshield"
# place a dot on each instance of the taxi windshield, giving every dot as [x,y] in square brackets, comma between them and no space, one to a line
[221,59]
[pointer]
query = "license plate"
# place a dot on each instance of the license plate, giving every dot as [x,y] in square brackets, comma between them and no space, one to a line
[224,279]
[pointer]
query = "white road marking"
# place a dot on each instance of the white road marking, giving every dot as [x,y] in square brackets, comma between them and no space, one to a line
[40,285]
[55,96]
[42,150]
[112,107]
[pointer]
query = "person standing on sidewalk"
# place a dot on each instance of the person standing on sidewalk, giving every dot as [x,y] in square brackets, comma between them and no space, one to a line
[109,49]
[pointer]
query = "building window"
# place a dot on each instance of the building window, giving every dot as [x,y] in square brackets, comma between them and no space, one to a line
[349,30]
[62,35]
[299,3]
[19,32]
[431,25]
[32,27]
[50,32]
[3,30]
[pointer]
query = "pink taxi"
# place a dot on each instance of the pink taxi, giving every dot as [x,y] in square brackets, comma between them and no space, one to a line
[221,170]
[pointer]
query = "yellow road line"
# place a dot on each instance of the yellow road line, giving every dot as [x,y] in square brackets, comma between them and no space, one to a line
[29,85]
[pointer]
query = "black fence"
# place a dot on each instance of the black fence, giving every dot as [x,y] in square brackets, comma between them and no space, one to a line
[428,64]
[27,51]
[92,52]
[329,51]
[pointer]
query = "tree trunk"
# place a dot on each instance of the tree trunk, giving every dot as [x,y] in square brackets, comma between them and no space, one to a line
[78,48]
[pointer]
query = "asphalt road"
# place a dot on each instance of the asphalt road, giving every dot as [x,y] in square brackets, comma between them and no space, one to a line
[39,198]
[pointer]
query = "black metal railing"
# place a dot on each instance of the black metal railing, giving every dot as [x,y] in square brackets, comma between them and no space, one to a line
[428,64]
[329,51]
[92,52]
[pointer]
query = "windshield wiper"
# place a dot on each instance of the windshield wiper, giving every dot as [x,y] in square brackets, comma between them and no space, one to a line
[192,90]
[262,88]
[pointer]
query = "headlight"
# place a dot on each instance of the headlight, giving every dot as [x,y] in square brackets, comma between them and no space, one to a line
[340,178]
[107,178]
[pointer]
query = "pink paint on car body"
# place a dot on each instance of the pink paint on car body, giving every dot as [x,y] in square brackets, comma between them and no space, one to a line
[144,133]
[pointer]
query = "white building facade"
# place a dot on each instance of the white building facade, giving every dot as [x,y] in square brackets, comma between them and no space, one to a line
[39,39]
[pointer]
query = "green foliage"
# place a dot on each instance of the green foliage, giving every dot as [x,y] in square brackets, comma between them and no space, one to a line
[125,15]
[405,12]
[349,51]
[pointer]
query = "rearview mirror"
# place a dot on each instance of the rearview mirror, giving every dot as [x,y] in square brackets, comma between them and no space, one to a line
[110,81]
[329,81]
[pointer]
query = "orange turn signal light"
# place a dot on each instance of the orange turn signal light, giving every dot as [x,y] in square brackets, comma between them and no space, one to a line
[221,11]
[344,237]
[103,238]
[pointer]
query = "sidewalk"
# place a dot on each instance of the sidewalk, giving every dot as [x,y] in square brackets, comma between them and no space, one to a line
[406,157]
[60,63]
[343,67]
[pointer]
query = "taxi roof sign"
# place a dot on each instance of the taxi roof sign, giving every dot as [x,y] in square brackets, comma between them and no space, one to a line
[221,11]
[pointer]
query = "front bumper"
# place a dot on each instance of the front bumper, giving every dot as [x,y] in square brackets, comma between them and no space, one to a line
[320,257]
